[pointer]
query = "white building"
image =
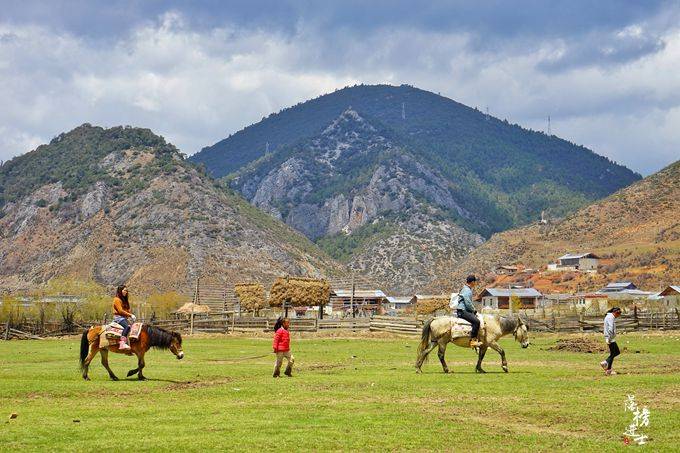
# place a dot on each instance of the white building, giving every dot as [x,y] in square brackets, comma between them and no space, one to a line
[586,262]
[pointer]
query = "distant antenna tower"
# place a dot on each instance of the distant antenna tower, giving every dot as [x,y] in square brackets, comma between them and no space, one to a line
[487,113]
[267,146]
[403,110]
[549,130]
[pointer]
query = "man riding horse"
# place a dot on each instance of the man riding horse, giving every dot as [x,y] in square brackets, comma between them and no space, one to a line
[466,310]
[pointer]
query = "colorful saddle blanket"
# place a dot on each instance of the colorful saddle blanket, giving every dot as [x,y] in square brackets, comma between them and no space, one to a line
[112,332]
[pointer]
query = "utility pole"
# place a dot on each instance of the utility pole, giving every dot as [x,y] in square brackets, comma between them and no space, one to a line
[351,297]
[549,130]
[487,113]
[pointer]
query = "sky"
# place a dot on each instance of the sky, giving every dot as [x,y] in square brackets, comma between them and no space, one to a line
[607,73]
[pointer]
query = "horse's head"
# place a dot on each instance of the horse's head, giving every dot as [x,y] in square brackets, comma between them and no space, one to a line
[521,333]
[176,345]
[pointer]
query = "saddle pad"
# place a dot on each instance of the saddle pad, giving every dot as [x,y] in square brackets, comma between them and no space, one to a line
[105,342]
[135,331]
[112,330]
[462,328]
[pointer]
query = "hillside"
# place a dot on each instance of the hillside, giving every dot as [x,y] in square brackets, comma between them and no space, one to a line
[121,205]
[636,231]
[501,173]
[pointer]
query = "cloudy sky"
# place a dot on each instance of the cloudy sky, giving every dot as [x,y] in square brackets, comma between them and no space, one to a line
[606,72]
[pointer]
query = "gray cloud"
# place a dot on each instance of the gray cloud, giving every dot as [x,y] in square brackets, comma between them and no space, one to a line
[605,74]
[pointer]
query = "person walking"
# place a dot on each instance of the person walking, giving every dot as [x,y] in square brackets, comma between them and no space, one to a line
[281,347]
[466,309]
[610,338]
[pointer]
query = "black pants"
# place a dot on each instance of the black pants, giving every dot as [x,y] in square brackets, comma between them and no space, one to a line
[613,352]
[472,319]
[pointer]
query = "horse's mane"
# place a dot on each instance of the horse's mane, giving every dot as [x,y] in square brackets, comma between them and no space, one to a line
[161,338]
[509,323]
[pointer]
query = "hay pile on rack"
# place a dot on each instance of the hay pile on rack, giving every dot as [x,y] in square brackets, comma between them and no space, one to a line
[191,307]
[431,305]
[299,292]
[251,296]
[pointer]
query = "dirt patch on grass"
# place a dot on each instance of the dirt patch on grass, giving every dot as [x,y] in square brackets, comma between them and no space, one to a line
[189,385]
[579,344]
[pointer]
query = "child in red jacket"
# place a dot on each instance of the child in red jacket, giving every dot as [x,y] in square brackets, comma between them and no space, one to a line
[282,347]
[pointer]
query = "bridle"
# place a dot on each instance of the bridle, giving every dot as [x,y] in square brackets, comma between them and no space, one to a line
[519,324]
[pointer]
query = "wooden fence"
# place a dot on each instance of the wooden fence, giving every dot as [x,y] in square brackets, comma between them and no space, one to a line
[230,322]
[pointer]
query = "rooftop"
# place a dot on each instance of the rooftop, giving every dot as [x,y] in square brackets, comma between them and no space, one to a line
[577,256]
[505,292]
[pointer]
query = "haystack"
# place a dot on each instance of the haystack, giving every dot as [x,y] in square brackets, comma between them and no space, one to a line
[190,307]
[431,305]
[299,292]
[251,296]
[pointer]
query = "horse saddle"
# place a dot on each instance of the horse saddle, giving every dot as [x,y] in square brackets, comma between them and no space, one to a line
[462,328]
[112,332]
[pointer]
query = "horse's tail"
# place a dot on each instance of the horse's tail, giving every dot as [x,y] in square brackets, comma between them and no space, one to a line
[425,337]
[84,348]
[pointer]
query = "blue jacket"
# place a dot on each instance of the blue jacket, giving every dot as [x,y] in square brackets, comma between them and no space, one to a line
[465,299]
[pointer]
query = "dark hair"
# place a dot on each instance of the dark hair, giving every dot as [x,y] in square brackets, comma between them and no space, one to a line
[612,310]
[119,294]
[471,278]
[278,324]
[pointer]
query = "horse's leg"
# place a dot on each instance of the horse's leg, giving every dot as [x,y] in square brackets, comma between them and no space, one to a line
[141,365]
[105,362]
[423,355]
[94,348]
[135,370]
[441,353]
[496,347]
[482,351]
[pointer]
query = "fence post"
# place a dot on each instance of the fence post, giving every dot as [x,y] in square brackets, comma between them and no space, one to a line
[7,330]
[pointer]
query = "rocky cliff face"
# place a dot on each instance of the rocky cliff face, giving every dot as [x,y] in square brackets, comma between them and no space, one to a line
[148,219]
[353,175]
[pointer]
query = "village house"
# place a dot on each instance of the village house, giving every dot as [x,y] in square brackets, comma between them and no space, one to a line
[590,302]
[499,298]
[670,297]
[506,270]
[584,262]
[617,287]
[363,302]
[400,303]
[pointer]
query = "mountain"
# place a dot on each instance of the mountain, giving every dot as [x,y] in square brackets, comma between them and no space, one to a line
[503,174]
[635,231]
[122,205]
[398,182]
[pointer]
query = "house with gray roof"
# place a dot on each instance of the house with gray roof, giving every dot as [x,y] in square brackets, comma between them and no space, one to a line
[586,262]
[499,298]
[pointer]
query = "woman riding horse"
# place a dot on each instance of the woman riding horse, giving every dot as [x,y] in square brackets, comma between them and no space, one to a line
[121,314]
[149,337]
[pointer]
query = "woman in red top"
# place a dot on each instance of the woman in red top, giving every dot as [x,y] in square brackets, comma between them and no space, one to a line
[282,347]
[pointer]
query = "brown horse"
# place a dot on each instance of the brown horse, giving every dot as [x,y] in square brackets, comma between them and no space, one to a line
[149,337]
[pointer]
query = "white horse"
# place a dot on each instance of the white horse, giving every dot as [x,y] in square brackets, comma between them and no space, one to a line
[437,332]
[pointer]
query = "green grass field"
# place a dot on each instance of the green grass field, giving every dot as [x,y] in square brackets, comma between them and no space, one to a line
[347,394]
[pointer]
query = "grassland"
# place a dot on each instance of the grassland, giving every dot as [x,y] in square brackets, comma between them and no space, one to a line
[347,394]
